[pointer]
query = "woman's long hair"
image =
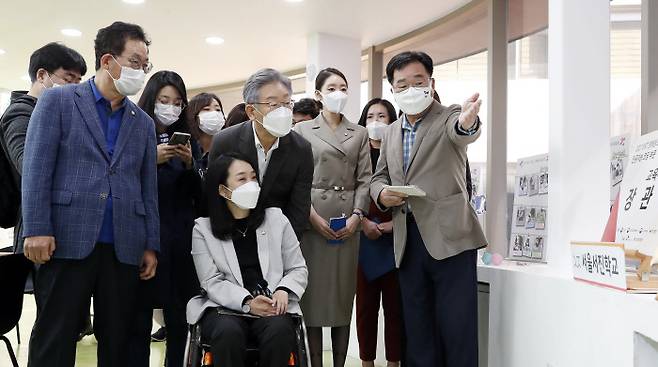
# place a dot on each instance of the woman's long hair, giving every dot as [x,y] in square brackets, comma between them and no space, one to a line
[158,81]
[222,222]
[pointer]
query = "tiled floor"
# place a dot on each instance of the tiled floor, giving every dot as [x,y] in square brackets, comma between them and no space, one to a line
[86,355]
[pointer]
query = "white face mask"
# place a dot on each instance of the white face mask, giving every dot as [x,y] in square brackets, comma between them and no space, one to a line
[167,114]
[414,100]
[211,122]
[376,130]
[335,101]
[245,196]
[130,82]
[278,122]
[51,82]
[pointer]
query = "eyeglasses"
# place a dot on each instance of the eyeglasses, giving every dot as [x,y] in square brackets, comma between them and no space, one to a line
[275,105]
[66,80]
[419,83]
[137,64]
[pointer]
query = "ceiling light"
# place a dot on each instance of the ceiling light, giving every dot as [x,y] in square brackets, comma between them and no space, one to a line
[133,1]
[214,40]
[71,32]
[2,52]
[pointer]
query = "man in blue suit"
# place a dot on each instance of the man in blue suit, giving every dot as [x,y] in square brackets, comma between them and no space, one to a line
[89,196]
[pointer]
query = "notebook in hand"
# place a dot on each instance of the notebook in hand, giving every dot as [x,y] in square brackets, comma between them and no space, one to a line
[409,190]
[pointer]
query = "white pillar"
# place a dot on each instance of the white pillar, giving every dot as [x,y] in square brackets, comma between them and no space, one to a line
[327,50]
[579,132]
[649,70]
[496,216]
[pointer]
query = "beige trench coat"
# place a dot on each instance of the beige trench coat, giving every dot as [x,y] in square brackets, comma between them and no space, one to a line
[341,183]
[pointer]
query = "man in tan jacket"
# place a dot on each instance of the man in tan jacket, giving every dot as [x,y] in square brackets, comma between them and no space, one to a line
[436,235]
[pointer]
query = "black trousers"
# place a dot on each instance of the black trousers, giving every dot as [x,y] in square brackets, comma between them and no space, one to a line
[172,287]
[62,292]
[439,305]
[139,349]
[229,336]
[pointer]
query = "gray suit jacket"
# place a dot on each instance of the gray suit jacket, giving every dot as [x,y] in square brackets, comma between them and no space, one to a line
[446,221]
[219,273]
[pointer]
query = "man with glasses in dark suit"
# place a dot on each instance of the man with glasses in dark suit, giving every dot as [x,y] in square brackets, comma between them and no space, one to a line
[282,158]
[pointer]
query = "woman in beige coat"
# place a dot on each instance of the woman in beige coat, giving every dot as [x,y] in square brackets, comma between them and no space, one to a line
[341,180]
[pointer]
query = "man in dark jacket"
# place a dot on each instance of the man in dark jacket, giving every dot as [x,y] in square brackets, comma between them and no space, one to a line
[282,159]
[51,65]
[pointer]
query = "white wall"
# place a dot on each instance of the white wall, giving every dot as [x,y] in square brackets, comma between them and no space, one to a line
[4,100]
[6,237]
[540,318]
[328,50]
[579,129]
[646,351]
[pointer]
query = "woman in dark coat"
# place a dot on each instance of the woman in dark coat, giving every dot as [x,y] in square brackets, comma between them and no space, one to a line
[179,187]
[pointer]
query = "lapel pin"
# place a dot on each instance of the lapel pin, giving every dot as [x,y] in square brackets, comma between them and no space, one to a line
[132,113]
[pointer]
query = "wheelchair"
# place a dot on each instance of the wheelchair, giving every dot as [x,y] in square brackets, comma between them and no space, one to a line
[198,354]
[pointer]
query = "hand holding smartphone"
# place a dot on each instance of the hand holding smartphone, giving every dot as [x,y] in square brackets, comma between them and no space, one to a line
[336,224]
[180,138]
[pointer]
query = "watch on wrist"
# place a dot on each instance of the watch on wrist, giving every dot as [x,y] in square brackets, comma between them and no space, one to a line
[246,307]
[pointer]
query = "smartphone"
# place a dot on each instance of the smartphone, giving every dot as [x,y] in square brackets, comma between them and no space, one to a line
[337,224]
[179,138]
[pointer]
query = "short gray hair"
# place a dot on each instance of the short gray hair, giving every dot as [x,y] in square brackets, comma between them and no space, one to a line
[262,77]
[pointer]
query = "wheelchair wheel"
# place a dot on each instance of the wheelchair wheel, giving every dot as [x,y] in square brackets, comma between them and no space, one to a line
[302,343]
[193,350]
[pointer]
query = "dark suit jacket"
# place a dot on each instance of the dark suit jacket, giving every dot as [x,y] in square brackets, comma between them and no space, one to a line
[287,181]
[13,125]
[68,174]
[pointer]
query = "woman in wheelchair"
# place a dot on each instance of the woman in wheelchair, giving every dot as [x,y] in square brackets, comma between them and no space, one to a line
[250,267]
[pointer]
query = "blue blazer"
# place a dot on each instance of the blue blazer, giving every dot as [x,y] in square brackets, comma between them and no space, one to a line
[68,174]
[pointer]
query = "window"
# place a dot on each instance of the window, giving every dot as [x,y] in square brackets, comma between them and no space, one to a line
[527,96]
[458,80]
[625,67]
[527,87]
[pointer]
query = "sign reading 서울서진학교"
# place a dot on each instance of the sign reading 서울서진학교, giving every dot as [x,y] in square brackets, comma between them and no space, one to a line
[599,263]
[637,224]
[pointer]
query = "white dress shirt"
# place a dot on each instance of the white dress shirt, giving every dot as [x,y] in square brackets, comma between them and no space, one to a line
[263,158]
